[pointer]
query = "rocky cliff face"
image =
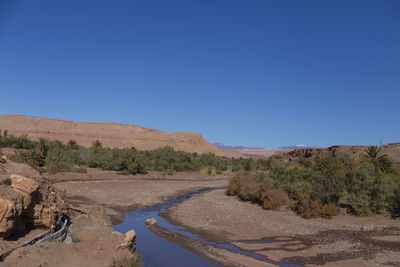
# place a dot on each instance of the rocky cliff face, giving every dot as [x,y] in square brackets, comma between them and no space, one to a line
[28,203]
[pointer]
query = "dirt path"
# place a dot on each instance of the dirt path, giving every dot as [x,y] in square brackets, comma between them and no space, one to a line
[282,236]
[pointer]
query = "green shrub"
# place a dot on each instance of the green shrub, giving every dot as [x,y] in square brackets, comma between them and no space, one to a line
[80,169]
[58,167]
[6,181]
[134,261]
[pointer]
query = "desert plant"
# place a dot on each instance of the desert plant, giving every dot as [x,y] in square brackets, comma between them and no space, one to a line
[307,207]
[273,198]
[380,161]
[96,146]
[134,261]
[72,144]
[58,167]
[6,181]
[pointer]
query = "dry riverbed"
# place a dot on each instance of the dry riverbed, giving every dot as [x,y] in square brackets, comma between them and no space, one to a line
[94,197]
[282,236]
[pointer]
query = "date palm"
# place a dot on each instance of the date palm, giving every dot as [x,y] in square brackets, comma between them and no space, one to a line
[96,146]
[42,149]
[381,162]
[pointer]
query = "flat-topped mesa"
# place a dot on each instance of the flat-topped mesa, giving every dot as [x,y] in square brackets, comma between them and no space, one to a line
[113,135]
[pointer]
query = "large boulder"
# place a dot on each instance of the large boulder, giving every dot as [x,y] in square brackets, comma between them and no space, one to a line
[29,203]
[10,210]
[129,242]
[151,221]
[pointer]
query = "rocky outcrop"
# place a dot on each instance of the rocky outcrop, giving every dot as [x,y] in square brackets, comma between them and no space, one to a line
[151,221]
[29,203]
[129,242]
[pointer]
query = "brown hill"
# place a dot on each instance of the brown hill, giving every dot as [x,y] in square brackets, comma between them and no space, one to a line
[109,134]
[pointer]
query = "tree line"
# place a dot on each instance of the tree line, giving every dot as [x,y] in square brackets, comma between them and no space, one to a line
[321,186]
[55,156]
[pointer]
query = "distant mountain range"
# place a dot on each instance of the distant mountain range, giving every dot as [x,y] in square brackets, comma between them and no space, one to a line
[228,147]
[296,147]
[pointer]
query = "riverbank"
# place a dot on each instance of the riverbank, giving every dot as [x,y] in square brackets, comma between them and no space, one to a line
[284,237]
[95,205]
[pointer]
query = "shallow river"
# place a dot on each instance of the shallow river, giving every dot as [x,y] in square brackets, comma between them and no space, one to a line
[157,251]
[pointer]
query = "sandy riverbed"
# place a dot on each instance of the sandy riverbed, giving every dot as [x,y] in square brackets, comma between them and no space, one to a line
[342,241]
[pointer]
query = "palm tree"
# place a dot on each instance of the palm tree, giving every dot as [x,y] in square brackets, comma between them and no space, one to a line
[42,149]
[380,161]
[72,144]
[96,146]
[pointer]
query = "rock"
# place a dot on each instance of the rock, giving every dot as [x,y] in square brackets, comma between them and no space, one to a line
[151,221]
[29,203]
[9,213]
[98,213]
[129,242]
[25,186]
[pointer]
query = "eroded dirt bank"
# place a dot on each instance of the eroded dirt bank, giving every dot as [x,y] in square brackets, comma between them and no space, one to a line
[282,236]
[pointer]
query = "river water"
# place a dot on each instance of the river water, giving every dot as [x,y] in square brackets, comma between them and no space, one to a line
[157,251]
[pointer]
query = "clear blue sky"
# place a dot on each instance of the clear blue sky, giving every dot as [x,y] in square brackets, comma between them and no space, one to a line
[256,73]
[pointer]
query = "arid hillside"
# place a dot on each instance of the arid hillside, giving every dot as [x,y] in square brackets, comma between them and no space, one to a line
[110,134]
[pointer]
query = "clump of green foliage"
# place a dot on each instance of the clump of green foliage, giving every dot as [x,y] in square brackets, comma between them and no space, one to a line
[55,156]
[256,189]
[322,185]
[6,181]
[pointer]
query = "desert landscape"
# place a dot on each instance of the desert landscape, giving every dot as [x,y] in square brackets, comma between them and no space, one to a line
[198,211]
[199,133]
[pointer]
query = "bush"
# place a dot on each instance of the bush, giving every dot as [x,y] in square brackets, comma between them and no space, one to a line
[80,169]
[307,207]
[6,181]
[330,210]
[134,261]
[58,167]
[273,198]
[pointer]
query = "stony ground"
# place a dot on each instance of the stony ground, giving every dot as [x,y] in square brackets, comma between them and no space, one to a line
[94,244]
[342,241]
[136,193]
[91,195]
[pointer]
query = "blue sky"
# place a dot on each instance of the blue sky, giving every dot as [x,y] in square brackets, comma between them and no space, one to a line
[256,73]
